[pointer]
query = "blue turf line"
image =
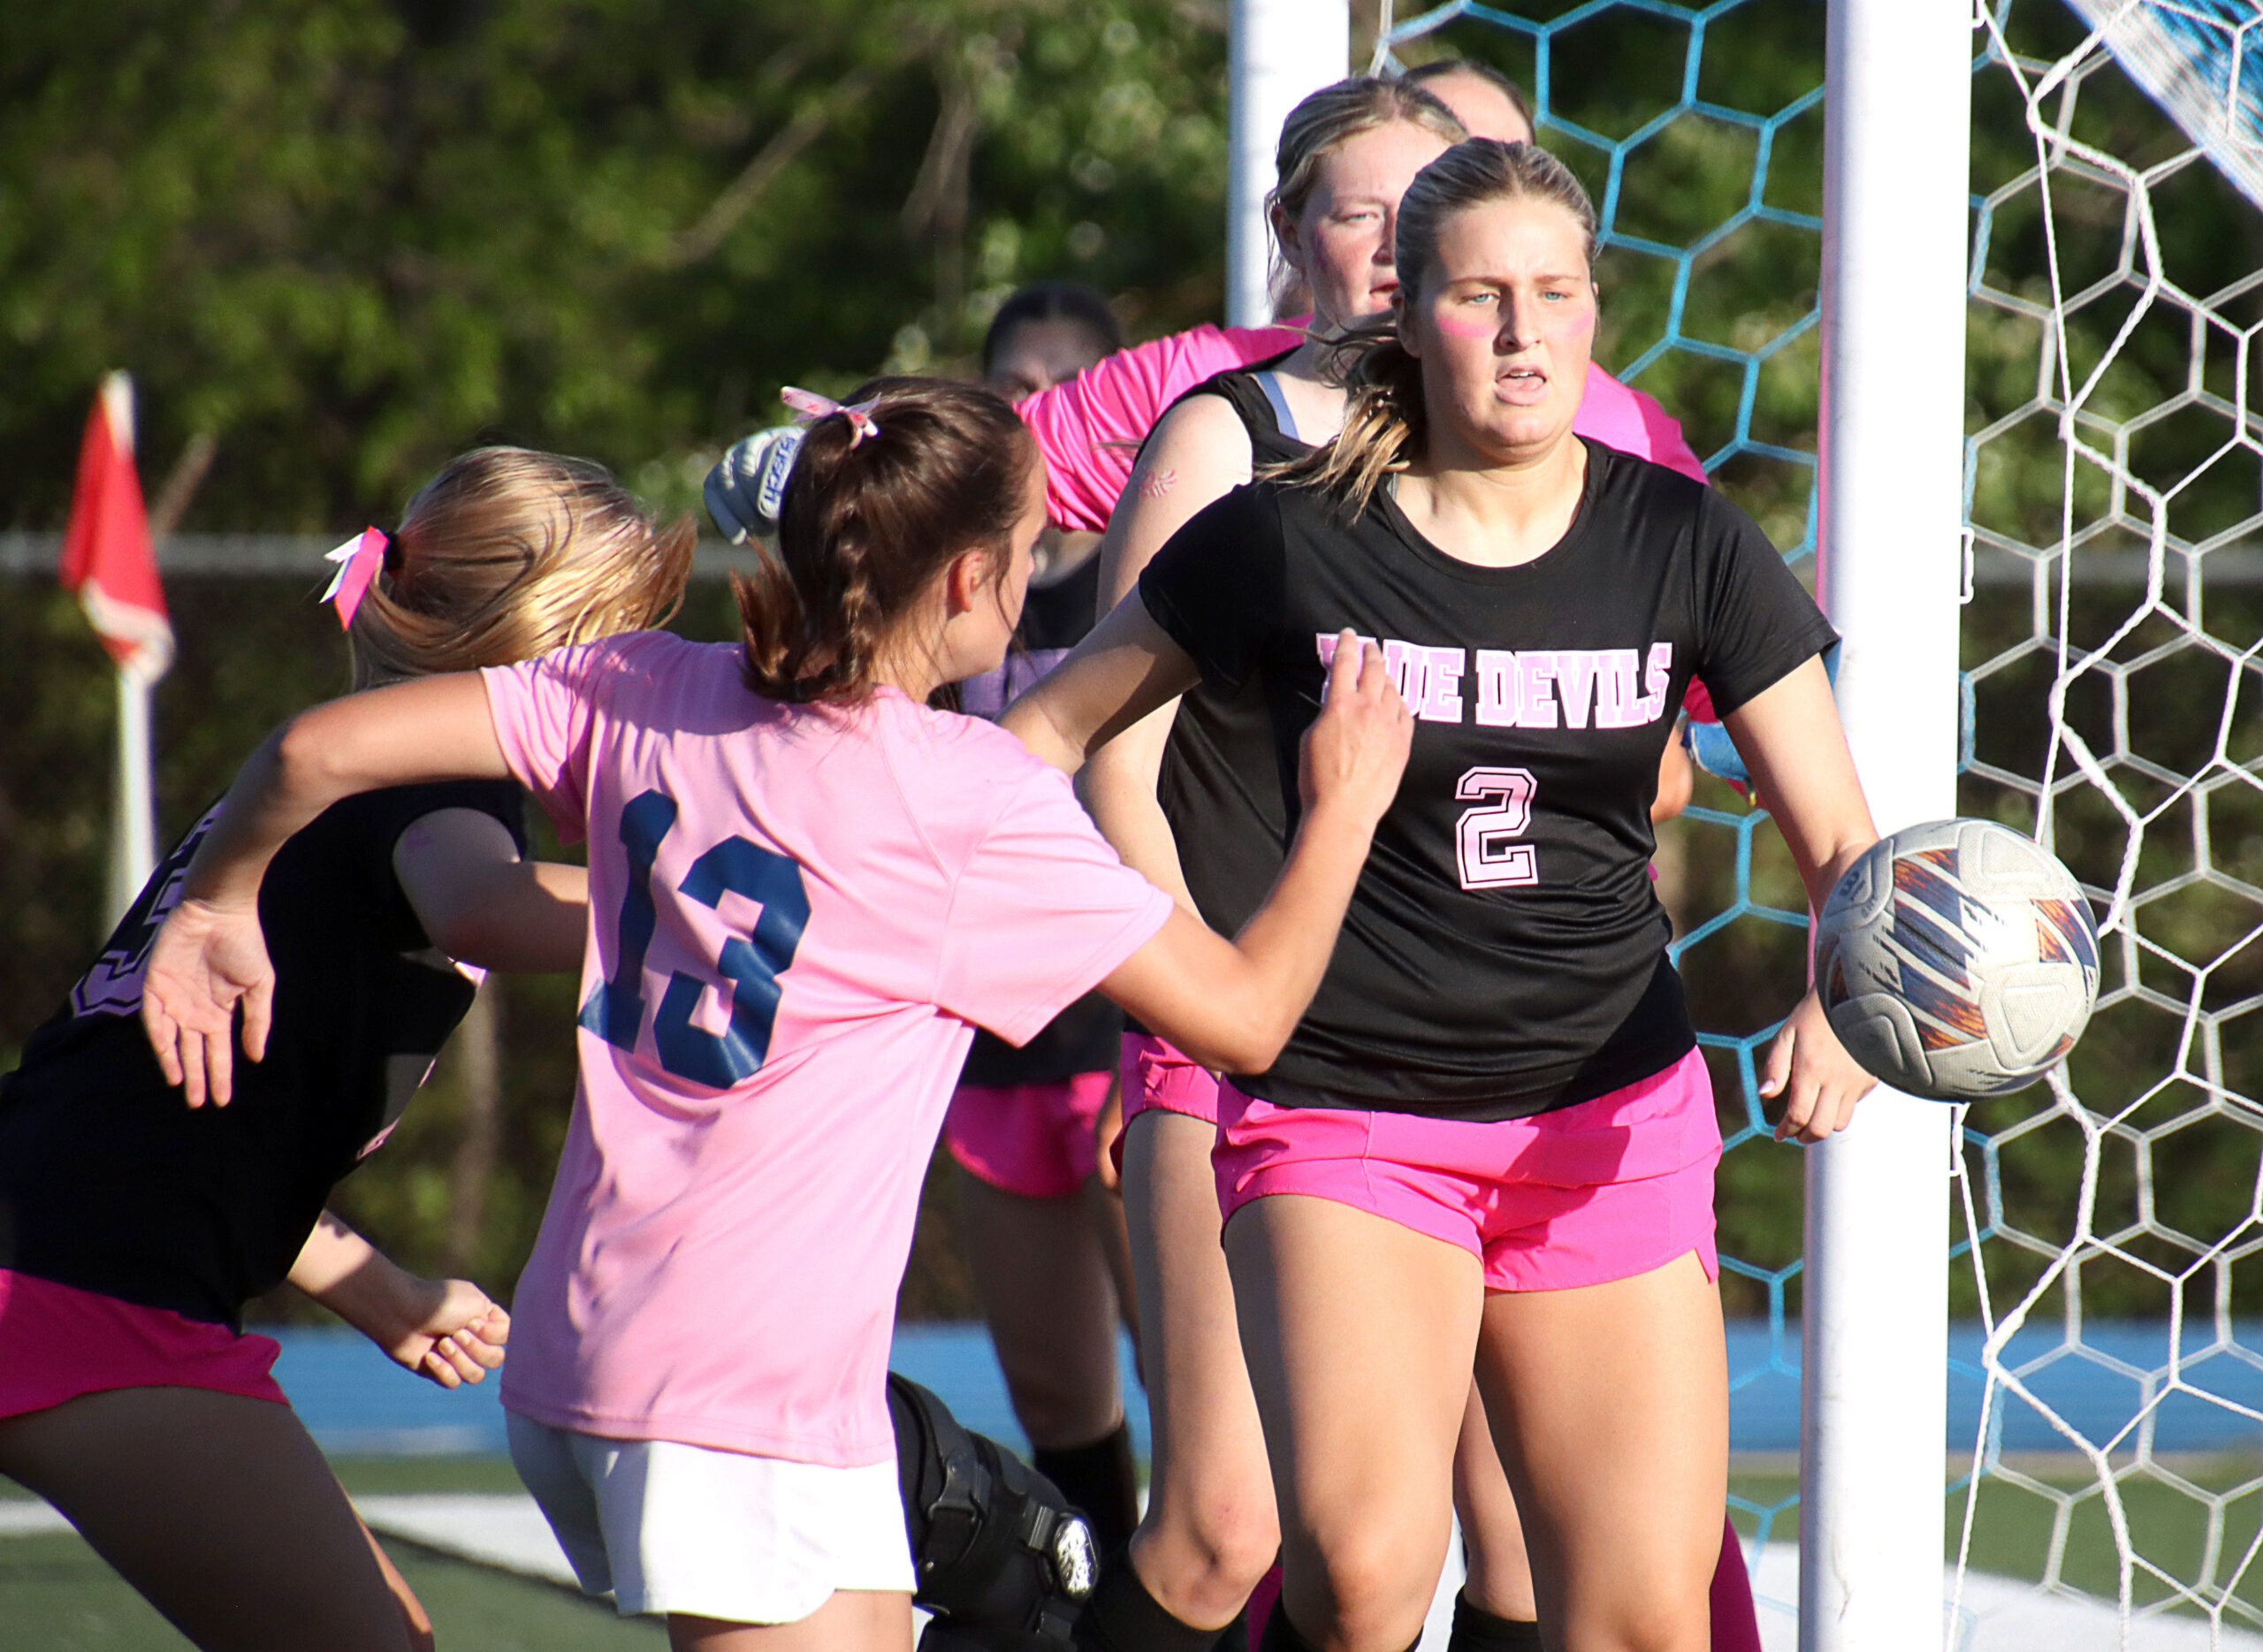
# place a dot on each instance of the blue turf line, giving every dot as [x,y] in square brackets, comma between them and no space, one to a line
[358,1403]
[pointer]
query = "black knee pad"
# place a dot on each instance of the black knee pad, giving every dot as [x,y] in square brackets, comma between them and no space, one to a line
[1003,1562]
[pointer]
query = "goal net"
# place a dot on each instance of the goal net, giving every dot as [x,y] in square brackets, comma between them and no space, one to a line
[2104,1477]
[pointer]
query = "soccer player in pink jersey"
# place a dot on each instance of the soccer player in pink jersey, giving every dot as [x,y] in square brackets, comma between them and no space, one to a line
[806,889]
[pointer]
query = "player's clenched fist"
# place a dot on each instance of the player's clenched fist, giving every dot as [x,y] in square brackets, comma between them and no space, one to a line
[1356,750]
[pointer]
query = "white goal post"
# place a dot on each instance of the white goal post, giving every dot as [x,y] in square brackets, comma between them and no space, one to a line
[1897,118]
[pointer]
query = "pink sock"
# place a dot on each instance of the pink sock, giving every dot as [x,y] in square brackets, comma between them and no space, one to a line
[1736,1626]
[1266,1592]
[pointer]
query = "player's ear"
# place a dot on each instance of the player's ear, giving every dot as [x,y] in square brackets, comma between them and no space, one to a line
[1284,237]
[965,580]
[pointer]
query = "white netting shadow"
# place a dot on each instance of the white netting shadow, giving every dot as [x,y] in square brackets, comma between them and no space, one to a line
[2106,1374]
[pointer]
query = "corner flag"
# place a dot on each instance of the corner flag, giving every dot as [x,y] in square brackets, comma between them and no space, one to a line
[107,558]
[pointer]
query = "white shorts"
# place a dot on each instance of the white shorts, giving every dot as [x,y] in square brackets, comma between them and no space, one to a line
[667,1527]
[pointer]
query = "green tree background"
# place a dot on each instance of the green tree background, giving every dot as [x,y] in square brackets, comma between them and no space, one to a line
[343,239]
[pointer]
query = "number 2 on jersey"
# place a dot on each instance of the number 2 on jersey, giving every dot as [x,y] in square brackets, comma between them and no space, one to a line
[1484,849]
[749,967]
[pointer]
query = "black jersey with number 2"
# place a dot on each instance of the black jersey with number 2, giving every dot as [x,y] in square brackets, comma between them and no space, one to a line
[109,1182]
[1504,954]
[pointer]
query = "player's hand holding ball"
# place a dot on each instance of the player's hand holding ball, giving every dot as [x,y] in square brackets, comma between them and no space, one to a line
[1356,750]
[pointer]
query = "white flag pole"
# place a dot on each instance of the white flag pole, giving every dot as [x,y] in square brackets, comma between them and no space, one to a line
[133,838]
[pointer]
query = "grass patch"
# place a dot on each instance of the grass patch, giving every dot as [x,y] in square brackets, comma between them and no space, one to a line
[57,1593]
[2191,1524]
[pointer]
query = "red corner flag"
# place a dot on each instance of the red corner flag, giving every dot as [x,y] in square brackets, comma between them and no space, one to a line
[106,553]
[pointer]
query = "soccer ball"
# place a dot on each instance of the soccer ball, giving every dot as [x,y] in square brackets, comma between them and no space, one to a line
[1957,960]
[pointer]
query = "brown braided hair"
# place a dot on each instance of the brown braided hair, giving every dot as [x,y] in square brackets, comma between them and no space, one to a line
[508,553]
[866,527]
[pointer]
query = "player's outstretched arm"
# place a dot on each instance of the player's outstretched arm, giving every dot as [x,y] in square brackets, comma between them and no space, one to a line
[478,901]
[1232,1004]
[1197,453]
[446,1330]
[209,959]
[1126,667]
[1790,739]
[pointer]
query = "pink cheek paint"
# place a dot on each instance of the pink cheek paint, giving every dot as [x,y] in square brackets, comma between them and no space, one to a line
[1466,328]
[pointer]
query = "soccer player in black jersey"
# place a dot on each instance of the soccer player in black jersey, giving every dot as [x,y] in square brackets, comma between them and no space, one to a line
[1491,1141]
[133,1229]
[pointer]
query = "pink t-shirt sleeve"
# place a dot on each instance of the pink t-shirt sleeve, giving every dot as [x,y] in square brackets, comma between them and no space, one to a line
[1042,913]
[543,716]
[1620,417]
[1090,428]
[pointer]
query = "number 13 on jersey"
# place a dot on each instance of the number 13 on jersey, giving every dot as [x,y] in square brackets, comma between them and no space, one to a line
[749,968]
[1485,850]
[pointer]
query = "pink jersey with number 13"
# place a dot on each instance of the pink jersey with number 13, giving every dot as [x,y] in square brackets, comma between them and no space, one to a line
[797,916]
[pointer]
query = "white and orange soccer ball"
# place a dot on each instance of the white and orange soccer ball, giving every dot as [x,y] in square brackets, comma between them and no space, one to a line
[1957,960]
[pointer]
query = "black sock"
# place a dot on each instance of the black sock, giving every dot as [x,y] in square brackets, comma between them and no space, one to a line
[1478,1630]
[1099,1479]
[1123,1616]
[1281,1635]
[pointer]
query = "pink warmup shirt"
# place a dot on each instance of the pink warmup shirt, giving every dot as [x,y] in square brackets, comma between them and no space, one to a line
[1090,428]
[796,917]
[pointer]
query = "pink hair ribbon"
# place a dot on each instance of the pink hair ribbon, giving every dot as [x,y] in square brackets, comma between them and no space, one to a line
[810,405]
[358,561]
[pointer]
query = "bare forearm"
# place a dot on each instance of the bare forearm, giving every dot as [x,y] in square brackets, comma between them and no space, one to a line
[1232,1004]
[1288,941]
[434,729]
[358,1282]
[535,919]
[1119,787]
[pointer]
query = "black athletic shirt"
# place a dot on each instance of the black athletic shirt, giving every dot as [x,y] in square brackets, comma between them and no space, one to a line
[111,1183]
[1505,953]
[1083,1037]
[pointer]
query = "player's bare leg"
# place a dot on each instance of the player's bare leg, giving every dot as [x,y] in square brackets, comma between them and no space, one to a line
[221,1511]
[1360,1334]
[1210,1530]
[850,1621]
[1500,1571]
[1610,1404]
[1042,1269]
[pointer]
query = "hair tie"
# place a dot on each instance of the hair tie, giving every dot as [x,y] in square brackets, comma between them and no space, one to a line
[358,561]
[810,405]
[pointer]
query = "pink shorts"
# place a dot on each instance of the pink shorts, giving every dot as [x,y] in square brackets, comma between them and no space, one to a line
[1158,1074]
[58,1342]
[1605,1190]
[1035,1140]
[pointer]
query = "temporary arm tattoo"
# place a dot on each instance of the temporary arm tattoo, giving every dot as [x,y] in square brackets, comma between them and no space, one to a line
[1155,483]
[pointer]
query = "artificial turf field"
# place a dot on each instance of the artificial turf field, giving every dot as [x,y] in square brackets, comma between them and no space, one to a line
[55,1594]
